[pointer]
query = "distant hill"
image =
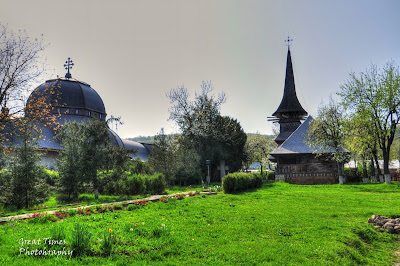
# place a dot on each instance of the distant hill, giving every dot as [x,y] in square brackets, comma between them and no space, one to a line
[144,139]
[150,139]
[268,136]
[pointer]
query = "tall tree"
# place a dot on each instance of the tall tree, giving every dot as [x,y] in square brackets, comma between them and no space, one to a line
[327,135]
[374,94]
[20,66]
[70,164]
[362,140]
[90,141]
[27,187]
[228,142]
[258,148]
[204,130]
[163,156]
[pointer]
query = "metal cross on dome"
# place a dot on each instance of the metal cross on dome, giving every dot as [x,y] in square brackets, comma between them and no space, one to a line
[288,42]
[68,65]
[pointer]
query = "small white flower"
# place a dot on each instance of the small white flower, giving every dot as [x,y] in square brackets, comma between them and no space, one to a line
[131,229]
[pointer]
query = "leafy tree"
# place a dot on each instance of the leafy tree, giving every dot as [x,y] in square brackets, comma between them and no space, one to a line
[163,157]
[228,142]
[258,148]
[20,66]
[362,141]
[327,135]
[374,95]
[204,130]
[187,168]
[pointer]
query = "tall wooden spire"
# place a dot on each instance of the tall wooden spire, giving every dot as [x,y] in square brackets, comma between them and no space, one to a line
[290,111]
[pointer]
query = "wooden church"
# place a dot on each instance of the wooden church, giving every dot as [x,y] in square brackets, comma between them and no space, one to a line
[296,162]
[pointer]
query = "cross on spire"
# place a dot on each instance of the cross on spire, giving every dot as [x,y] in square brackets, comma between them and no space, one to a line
[68,65]
[288,42]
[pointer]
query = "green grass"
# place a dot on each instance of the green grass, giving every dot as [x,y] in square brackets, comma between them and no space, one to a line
[279,224]
[84,200]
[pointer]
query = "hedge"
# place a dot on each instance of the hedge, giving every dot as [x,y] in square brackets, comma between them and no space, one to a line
[236,182]
[134,184]
[271,175]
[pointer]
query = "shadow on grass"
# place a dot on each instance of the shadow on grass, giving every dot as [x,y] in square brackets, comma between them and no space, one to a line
[370,187]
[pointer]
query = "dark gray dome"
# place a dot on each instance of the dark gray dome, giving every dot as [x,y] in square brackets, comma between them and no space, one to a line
[69,93]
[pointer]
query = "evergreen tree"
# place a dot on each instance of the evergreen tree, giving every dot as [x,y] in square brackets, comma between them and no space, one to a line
[70,164]
[27,187]
[88,149]
[163,157]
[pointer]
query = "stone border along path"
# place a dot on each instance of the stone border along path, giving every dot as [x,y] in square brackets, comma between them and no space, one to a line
[125,203]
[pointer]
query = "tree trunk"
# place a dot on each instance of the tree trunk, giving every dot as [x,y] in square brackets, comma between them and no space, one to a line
[340,172]
[261,170]
[373,174]
[96,189]
[379,172]
[365,172]
[386,159]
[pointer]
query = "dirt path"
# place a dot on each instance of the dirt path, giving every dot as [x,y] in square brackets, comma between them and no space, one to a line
[125,203]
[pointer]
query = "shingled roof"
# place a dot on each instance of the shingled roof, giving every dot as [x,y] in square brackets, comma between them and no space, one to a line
[296,143]
[289,103]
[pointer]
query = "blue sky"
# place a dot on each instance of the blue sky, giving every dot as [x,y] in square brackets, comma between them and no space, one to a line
[133,52]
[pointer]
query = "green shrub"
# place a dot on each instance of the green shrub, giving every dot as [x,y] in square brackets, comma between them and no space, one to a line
[47,218]
[135,185]
[271,175]
[155,184]
[107,244]
[118,207]
[72,212]
[57,233]
[132,207]
[236,182]
[50,176]
[80,240]
[103,208]
[112,182]
[353,175]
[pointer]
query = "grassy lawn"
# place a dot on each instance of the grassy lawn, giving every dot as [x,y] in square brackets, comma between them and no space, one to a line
[279,224]
[84,200]
[88,199]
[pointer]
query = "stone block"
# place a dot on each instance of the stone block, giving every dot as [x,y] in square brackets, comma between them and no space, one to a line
[390,229]
[387,225]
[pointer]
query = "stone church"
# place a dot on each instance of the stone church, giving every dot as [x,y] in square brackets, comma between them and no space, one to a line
[296,162]
[75,100]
